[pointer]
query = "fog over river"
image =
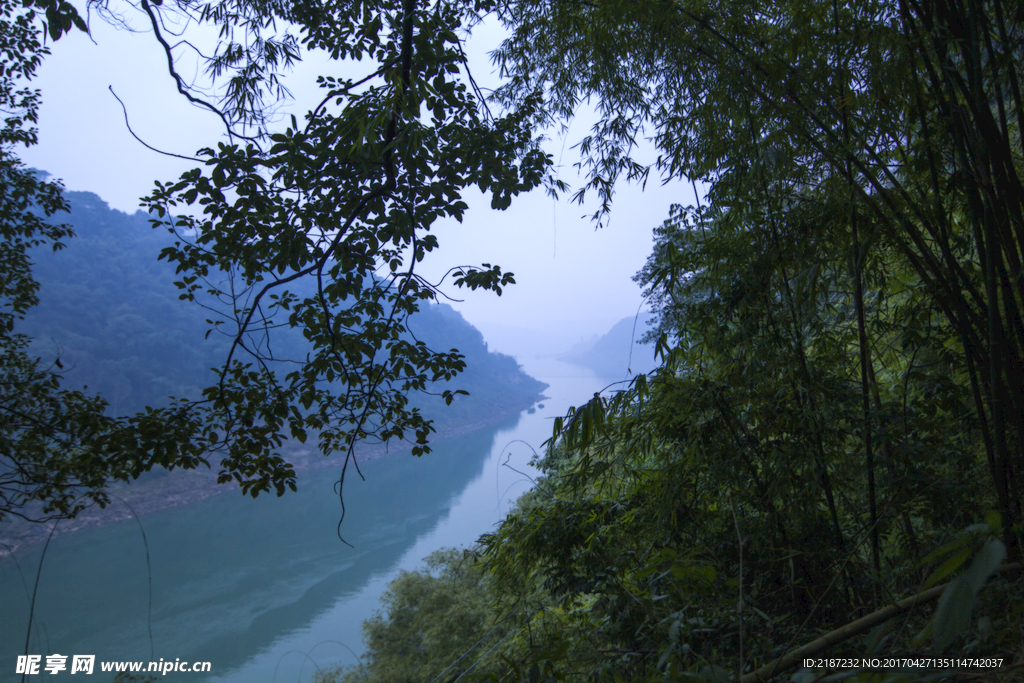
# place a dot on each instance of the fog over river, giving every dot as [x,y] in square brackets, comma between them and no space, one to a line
[263,589]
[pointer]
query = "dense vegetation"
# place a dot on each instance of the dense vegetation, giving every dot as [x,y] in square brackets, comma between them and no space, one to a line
[837,425]
[432,617]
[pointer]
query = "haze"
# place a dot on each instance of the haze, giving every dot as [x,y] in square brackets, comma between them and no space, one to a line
[573,281]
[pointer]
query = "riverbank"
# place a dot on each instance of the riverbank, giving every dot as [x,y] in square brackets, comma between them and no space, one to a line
[163,490]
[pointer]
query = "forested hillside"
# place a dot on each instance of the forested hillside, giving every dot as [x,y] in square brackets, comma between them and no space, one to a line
[110,312]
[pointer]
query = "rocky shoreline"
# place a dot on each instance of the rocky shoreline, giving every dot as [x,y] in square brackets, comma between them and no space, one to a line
[180,487]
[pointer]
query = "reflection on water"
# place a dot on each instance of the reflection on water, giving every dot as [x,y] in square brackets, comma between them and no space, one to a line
[263,589]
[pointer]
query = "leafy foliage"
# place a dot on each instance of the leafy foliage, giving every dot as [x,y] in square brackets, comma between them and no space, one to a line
[840,324]
[431,617]
[901,121]
[839,328]
[840,331]
[319,234]
[332,202]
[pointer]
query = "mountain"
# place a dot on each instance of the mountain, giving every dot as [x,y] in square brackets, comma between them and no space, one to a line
[618,352]
[111,312]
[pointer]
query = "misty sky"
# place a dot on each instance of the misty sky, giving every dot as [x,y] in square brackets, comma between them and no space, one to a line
[572,281]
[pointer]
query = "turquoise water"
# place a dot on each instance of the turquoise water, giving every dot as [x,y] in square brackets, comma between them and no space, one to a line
[263,589]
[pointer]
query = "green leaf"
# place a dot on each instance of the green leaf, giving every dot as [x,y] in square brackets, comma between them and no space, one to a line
[953,614]
[950,566]
[994,520]
[985,564]
[715,674]
[874,641]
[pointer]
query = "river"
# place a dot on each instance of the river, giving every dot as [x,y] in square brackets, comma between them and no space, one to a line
[263,589]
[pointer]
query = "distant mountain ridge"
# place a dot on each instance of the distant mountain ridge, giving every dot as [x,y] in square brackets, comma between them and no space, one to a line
[618,352]
[111,312]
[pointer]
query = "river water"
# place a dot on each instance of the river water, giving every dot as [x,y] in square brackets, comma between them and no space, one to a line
[263,589]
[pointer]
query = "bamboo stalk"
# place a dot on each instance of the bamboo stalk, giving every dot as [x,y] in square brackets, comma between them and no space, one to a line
[865,623]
